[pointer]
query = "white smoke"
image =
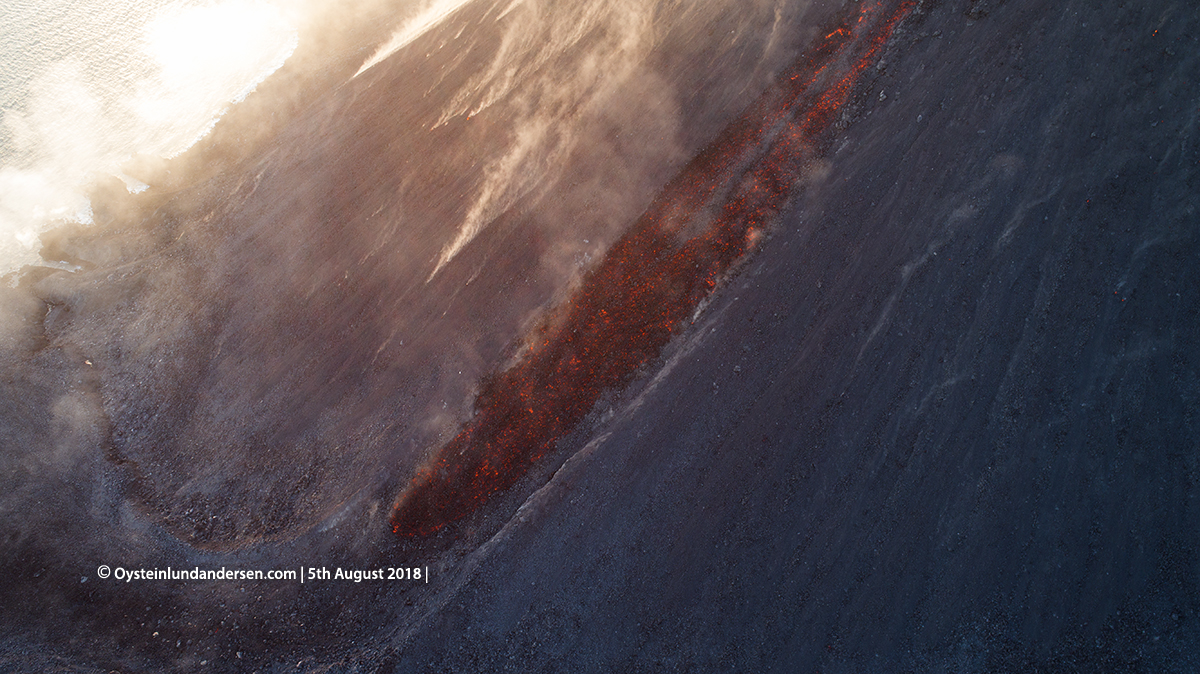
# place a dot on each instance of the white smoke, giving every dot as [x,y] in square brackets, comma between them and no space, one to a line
[427,18]
[601,47]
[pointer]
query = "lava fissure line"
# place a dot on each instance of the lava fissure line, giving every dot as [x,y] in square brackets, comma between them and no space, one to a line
[650,281]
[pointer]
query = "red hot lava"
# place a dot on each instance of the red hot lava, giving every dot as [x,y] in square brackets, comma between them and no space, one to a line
[651,280]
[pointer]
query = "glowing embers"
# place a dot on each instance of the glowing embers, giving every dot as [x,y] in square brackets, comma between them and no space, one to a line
[649,282]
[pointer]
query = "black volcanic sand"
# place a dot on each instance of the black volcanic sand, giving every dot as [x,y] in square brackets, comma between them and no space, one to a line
[945,419]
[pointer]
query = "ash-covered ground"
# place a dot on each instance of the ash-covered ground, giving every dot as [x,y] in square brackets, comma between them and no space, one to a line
[943,417]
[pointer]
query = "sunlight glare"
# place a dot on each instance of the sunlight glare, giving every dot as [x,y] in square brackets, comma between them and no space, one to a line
[212,54]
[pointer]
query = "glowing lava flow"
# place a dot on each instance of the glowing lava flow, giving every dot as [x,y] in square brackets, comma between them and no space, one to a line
[651,280]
